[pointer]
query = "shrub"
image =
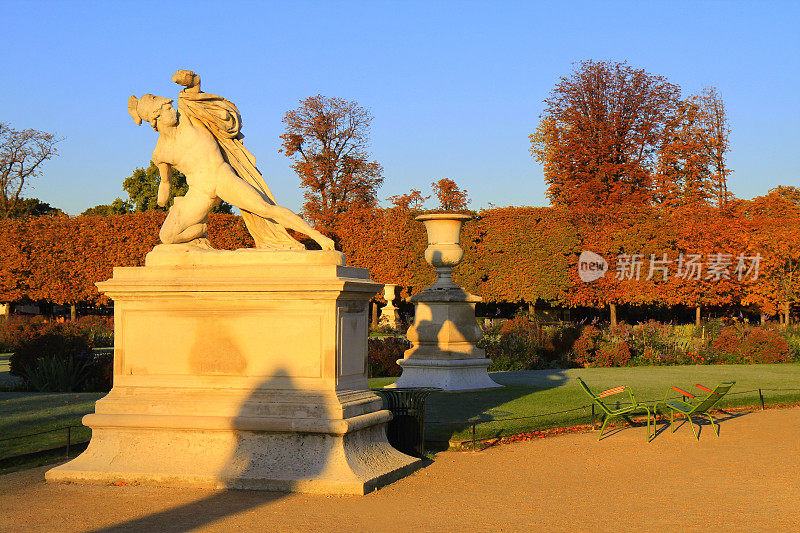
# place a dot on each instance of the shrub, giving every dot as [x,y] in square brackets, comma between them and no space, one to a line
[383,354]
[11,326]
[584,350]
[737,344]
[58,357]
[764,346]
[54,374]
[36,340]
[99,328]
[524,344]
[616,353]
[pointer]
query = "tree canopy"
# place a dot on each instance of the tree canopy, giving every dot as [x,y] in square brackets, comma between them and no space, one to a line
[612,135]
[328,139]
[450,197]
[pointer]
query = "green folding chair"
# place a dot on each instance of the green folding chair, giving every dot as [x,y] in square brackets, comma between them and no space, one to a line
[622,412]
[700,407]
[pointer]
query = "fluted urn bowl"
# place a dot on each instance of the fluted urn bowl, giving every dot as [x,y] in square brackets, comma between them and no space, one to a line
[444,238]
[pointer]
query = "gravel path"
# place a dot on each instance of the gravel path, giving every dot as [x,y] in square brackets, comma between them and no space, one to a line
[747,479]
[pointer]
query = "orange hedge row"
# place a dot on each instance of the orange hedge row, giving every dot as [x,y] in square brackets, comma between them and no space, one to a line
[511,254]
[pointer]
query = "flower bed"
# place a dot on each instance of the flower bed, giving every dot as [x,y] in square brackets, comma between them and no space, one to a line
[522,344]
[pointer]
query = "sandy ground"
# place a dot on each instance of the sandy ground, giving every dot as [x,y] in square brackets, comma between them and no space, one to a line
[748,479]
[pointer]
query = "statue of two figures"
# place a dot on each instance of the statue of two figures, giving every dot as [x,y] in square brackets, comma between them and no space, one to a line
[203,141]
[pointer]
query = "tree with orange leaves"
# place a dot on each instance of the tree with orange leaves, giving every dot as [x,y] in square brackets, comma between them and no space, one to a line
[450,197]
[600,132]
[683,177]
[328,139]
[717,146]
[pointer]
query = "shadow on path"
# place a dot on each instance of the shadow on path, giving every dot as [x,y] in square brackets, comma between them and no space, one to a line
[246,463]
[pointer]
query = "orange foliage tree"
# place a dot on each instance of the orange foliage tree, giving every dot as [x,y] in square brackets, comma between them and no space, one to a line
[328,139]
[59,259]
[600,132]
[450,197]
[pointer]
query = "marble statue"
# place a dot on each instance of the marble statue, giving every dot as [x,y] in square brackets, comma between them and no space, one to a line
[203,141]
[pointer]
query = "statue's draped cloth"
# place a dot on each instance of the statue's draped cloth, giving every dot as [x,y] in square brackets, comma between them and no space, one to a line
[222,119]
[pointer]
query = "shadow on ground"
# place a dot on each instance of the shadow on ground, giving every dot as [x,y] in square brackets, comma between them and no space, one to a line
[451,416]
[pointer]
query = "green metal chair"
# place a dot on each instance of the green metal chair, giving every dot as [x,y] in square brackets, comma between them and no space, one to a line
[622,412]
[692,407]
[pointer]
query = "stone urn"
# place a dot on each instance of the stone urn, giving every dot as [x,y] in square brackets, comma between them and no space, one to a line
[443,338]
[389,315]
[444,245]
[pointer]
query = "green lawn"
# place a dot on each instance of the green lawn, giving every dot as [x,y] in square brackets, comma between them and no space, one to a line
[23,413]
[449,416]
[546,392]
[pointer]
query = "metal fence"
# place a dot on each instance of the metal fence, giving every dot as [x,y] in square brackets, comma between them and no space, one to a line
[68,441]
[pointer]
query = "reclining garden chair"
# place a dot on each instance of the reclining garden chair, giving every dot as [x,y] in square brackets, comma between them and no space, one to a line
[692,408]
[616,413]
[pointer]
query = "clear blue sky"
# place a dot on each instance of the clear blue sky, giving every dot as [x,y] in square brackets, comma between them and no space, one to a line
[455,87]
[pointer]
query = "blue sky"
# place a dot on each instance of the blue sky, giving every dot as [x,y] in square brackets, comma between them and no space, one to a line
[455,87]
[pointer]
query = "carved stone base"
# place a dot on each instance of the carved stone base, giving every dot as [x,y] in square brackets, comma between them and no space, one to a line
[451,375]
[356,462]
[240,370]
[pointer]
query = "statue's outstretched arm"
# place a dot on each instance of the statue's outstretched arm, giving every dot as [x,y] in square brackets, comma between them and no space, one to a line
[165,185]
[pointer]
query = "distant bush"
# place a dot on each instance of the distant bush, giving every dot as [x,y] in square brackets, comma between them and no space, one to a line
[738,344]
[616,353]
[57,357]
[522,343]
[584,350]
[99,328]
[382,355]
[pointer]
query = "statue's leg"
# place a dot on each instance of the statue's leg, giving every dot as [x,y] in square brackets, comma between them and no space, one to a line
[186,220]
[236,191]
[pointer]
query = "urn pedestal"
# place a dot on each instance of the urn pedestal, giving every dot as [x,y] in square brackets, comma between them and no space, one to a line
[443,353]
[389,314]
[241,369]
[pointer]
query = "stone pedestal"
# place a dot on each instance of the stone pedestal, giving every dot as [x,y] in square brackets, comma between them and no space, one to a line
[389,314]
[241,369]
[443,353]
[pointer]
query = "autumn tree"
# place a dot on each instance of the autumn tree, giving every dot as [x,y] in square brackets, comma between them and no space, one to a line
[600,132]
[413,200]
[717,145]
[328,140]
[22,153]
[450,197]
[683,177]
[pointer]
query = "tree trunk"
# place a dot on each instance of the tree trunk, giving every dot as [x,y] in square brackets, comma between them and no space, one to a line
[787,309]
[73,312]
[763,319]
[697,315]
[374,314]
[613,309]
